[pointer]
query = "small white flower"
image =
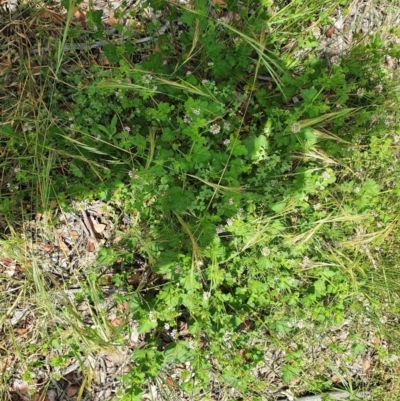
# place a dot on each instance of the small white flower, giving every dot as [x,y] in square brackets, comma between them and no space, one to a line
[204,81]
[357,190]
[230,221]
[166,326]
[326,175]
[147,78]
[227,126]
[127,129]
[187,119]
[215,129]
[206,295]
[152,316]
[230,201]
[300,324]
[17,169]
[296,127]
[126,220]
[226,142]
[219,230]
[273,183]
[196,111]
[360,91]
[335,60]
[317,206]
[265,251]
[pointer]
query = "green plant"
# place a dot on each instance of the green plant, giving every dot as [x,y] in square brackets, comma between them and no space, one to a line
[259,186]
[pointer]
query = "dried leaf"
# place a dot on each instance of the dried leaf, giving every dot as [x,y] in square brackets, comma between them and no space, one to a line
[99,228]
[21,332]
[335,379]
[99,208]
[48,248]
[55,17]
[104,61]
[367,365]
[6,261]
[116,322]
[91,247]
[21,386]
[170,382]
[123,306]
[4,66]
[221,3]
[63,246]
[10,266]
[134,278]
[72,390]
[74,235]
[34,67]
[78,14]
[330,31]
[156,48]
[111,20]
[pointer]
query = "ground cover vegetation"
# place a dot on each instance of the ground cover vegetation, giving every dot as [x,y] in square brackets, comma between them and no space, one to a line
[251,177]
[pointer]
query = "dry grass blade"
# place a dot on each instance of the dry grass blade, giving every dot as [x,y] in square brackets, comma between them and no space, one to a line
[218,186]
[269,62]
[195,247]
[309,234]
[376,237]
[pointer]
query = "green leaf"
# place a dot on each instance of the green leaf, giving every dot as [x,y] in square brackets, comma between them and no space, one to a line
[113,125]
[200,154]
[257,147]
[177,200]
[309,94]
[319,288]
[357,349]
[75,170]
[370,187]
[95,17]
[111,53]
[289,373]
[146,326]
[278,207]
[178,352]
